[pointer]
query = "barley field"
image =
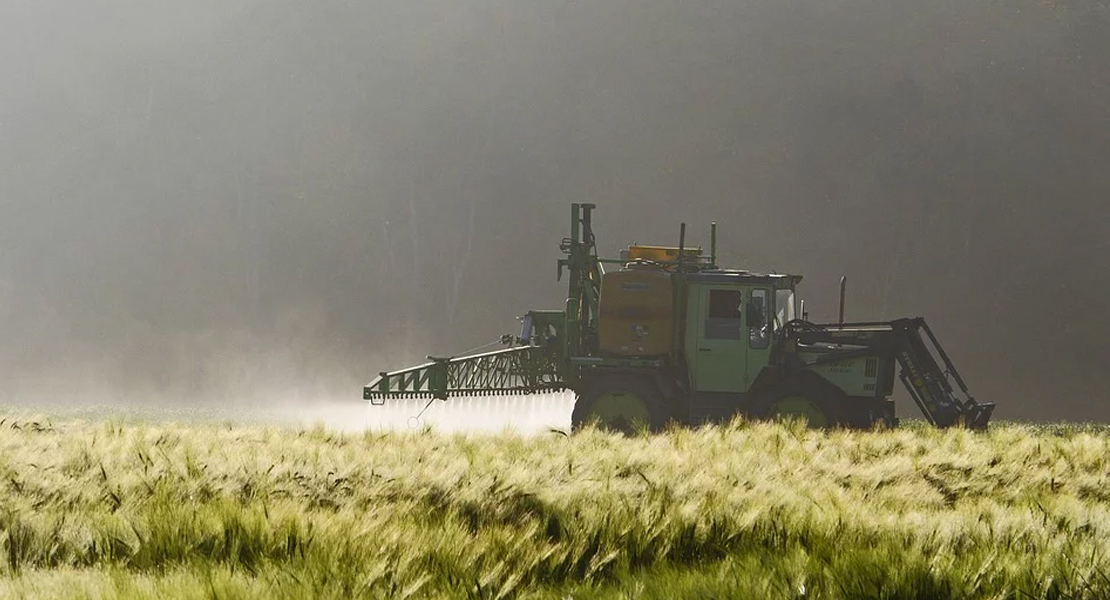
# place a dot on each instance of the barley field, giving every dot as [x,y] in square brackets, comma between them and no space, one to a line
[121,508]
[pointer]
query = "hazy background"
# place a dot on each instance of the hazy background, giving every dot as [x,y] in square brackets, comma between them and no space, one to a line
[239,200]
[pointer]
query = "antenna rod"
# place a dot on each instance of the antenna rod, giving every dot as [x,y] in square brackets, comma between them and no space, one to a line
[842,284]
[713,244]
[681,246]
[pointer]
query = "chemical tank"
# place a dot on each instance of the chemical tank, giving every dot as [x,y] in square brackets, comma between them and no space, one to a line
[636,312]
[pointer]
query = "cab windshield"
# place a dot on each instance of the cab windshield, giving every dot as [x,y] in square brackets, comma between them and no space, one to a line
[784,307]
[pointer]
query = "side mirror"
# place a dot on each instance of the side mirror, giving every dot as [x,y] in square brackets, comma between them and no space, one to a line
[756,317]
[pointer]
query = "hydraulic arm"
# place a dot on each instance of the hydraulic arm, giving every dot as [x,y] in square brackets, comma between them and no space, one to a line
[930,385]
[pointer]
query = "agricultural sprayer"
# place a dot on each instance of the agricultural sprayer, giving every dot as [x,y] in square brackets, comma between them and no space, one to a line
[664,334]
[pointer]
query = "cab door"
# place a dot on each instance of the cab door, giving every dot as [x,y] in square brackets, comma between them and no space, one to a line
[758,327]
[719,339]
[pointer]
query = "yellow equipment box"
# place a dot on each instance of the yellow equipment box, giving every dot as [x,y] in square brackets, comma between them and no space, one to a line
[660,253]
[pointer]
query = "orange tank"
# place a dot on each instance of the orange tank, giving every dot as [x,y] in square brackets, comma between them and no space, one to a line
[636,312]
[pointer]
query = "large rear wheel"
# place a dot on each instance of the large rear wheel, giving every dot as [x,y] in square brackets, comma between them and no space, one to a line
[625,404]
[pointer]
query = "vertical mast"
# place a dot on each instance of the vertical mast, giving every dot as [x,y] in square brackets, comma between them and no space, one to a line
[585,279]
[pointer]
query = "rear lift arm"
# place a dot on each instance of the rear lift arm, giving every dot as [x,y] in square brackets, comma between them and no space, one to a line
[520,370]
[929,385]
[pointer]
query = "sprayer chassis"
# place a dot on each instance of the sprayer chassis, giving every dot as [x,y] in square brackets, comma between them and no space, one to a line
[732,347]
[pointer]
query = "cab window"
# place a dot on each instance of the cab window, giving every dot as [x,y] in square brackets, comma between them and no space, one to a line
[723,315]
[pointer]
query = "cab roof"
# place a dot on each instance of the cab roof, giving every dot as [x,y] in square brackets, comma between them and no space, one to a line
[736,276]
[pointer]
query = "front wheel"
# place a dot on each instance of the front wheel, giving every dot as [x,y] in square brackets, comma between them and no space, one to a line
[624,404]
[807,400]
[796,406]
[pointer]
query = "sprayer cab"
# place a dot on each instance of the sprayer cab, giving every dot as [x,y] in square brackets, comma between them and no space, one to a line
[663,333]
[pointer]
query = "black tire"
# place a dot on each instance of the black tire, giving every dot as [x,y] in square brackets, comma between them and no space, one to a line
[812,398]
[608,402]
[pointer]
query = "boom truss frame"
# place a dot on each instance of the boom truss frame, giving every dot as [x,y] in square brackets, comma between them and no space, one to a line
[520,370]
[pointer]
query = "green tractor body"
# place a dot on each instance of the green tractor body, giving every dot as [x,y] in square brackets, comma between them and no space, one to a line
[663,334]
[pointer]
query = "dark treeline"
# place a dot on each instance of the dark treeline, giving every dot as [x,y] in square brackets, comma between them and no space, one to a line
[223,197]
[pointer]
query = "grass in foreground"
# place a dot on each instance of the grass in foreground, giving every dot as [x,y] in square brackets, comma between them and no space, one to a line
[107,510]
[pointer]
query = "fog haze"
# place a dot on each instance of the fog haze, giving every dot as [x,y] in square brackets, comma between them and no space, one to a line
[235,200]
